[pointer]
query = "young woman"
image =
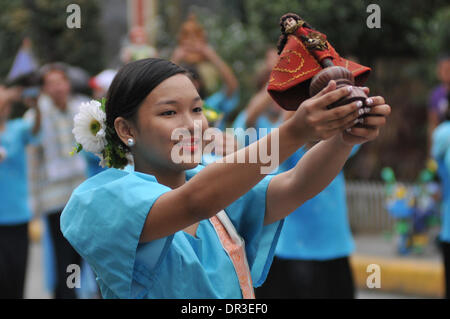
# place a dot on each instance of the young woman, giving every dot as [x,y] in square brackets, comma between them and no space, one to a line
[171,230]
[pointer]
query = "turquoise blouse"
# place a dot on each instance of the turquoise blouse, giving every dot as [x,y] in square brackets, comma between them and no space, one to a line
[15,208]
[441,152]
[103,221]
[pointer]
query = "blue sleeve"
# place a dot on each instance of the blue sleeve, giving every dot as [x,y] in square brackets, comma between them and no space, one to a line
[447,160]
[440,141]
[221,102]
[247,215]
[240,120]
[103,221]
[26,128]
[240,128]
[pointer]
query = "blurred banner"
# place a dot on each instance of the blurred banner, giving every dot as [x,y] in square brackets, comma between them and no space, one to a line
[24,61]
[143,13]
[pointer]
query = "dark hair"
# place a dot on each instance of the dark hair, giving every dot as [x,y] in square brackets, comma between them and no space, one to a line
[284,37]
[53,67]
[194,74]
[447,112]
[28,79]
[133,83]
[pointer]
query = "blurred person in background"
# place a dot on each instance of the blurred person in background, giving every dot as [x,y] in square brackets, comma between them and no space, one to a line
[312,254]
[261,111]
[440,150]
[56,172]
[438,101]
[15,213]
[227,98]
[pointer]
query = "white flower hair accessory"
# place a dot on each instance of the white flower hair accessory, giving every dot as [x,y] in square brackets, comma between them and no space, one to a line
[90,127]
[93,135]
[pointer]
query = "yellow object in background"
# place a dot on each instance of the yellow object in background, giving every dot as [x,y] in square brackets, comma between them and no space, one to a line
[35,230]
[400,192]
[432,165]
[420,240]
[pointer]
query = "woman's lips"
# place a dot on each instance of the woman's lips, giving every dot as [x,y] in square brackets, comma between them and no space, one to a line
[191,145]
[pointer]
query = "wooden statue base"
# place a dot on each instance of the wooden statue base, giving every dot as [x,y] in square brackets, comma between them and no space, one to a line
[342,77]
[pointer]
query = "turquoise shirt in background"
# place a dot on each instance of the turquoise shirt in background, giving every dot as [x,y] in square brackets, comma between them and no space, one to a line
[103,222]
[14,191]
[262,122]
[441,152]
[319,229]
[223,104]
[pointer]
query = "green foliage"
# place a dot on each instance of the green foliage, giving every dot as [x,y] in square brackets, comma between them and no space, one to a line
[56,42]
[44,21]
[13,20]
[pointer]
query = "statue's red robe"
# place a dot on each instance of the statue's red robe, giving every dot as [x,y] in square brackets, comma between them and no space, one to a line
[290,78]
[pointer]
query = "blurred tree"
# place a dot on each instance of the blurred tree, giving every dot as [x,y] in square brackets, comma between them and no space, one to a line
[13,21]
[44,21]
[47,27]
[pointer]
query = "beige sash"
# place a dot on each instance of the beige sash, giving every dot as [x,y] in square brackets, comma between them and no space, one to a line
[234,246]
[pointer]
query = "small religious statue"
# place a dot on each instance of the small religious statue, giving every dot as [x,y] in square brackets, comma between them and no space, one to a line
[307,63]
[138,48]
[191,36]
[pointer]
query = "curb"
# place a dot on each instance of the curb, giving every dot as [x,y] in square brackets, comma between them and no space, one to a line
[405,276]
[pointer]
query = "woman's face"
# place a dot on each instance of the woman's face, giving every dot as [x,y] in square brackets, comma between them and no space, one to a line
[170,121]
[57,86]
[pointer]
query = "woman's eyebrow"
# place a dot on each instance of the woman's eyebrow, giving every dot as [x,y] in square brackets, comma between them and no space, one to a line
[174,102]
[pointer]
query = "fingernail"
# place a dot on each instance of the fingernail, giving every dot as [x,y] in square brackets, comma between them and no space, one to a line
[366,109]
[361,111]
[369,101]
[361,120]
[349,88]
[356,121]
[359,104]
[348,129]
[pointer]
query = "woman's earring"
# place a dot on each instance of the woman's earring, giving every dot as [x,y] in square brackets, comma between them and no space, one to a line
[130,142]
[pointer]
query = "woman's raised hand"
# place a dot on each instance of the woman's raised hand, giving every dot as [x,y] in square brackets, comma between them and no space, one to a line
[313,121]
[377,111]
